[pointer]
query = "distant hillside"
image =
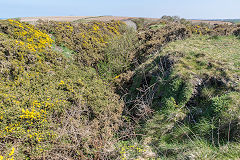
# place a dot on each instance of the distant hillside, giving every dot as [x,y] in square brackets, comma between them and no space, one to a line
[74,18]
[109,18]
[225,20]
[232,20]
[211,21]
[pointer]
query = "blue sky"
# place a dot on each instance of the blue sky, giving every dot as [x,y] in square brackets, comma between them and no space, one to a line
[202,9]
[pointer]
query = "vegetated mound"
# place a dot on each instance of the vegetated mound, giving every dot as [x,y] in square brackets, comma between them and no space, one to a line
[216,30]
[155,38]
[190,89]
[50,106]
[109,47]
[87,40]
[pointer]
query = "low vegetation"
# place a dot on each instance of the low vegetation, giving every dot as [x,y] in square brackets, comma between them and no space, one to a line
[192,86]
[101,90]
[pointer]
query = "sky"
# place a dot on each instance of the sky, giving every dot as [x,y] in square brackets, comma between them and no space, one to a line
[189,9]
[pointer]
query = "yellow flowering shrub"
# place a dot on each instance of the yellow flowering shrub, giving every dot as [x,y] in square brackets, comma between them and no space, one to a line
[130,151]
[34,39]
[87,40]
[214,30]
[46,101]
[9,156]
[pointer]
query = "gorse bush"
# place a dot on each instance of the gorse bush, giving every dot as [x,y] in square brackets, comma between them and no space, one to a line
[49,105]
[35,40]
[87,40]
[214,30]
[154,39]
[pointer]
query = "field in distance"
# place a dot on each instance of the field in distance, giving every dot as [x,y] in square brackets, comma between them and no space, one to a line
[104,18]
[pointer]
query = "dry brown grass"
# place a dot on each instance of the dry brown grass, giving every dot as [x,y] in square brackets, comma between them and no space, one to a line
[210,22]
[74,18]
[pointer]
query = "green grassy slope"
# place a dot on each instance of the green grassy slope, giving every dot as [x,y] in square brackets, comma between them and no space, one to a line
[193,88]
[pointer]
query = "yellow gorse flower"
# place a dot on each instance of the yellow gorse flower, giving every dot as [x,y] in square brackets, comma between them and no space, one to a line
[12,152]
[30,37]
[61,83]
[116,77]
[10,155]
[33,114]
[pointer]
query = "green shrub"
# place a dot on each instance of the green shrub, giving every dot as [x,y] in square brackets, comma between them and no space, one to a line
[119,54]
[49,105]
[154,40]
[87,40]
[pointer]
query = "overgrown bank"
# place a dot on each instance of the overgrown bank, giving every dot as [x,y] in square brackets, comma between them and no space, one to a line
[51,106]
[186,99]
[103,91]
